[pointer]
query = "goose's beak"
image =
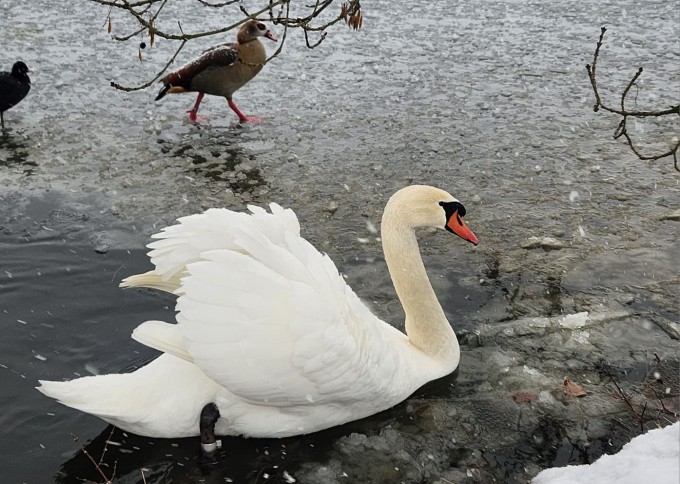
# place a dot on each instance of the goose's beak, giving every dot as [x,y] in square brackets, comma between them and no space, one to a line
[271,36]
[456,225]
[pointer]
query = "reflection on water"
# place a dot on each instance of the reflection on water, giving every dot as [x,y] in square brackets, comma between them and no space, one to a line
[14,151]
[376,439]
[178,460]
[221,157]
[553,294]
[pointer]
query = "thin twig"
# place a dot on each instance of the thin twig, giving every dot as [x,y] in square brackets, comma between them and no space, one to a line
[663,405]
[106,447]
[640,417]
[621,423]
[621,128]
[158,76]
[96,465]
[129,36]
[217,5]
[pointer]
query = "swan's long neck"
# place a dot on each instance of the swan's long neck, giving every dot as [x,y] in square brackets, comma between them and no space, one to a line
[426,324]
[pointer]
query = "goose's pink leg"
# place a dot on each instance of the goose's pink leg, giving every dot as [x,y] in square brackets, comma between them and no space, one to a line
[242,117]
[193,114]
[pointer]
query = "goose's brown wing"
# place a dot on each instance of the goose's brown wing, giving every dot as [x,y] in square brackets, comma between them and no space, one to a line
[221,55]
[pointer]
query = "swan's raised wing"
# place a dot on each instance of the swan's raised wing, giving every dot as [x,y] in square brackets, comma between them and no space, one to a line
[185,242]
[267,316]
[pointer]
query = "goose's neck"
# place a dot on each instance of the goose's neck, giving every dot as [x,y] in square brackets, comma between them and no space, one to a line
[426,325]
[252,54]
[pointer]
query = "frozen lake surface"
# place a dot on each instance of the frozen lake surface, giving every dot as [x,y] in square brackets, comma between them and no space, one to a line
[488,100]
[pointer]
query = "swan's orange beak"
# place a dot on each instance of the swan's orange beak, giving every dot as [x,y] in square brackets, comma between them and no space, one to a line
[456,225]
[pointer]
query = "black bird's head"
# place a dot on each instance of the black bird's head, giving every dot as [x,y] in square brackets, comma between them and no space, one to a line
[19,69]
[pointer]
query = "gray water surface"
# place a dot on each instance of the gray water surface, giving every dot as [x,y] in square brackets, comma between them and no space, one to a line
[488,100]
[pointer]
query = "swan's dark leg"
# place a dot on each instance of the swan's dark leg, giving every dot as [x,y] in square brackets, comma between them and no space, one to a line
[209,444]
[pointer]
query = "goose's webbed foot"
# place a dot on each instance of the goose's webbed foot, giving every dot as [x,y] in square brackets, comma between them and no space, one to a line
[209,444]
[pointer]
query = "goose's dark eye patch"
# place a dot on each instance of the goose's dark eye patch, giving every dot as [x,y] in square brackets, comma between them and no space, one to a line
[451,207]
[261,27]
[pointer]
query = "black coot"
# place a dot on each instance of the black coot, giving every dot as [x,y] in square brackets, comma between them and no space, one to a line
[13,88]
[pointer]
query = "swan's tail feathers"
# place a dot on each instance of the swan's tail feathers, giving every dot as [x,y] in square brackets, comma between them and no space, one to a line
[162,337]
[154,281]
[95,395]
[164,90]
[162,399]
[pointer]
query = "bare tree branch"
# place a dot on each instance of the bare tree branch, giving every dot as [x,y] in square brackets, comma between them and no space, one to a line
[621,129]
[158,76]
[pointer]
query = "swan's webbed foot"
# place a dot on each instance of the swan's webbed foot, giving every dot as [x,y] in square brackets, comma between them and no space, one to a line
[209,444]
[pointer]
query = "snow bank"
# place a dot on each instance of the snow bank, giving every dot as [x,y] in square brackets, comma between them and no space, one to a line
[652,458]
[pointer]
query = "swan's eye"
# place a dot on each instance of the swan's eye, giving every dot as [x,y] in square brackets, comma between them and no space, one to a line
[452,207]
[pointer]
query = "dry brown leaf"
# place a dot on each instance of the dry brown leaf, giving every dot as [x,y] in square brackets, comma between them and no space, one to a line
[152,33]
[572,389]
[140,54]
[525,397]
[109,26]
[354,19]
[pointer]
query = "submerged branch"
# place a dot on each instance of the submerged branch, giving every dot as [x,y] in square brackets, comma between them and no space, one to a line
[100,464]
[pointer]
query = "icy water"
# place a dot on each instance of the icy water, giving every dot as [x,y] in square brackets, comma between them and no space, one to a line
[489,100]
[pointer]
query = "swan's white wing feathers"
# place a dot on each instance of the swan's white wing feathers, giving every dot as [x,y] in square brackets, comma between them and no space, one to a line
[268,317]
[286,347]
[184,242]
[163,337]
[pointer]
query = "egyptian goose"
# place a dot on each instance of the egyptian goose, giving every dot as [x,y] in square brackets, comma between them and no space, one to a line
[222,70]
[13,88]
[270,341]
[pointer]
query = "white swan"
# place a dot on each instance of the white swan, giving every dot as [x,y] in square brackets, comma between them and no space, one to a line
[270,332]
